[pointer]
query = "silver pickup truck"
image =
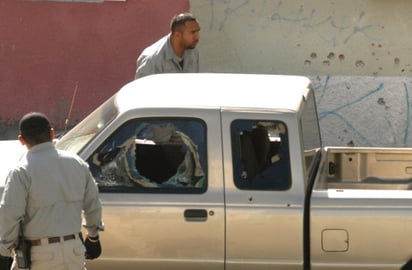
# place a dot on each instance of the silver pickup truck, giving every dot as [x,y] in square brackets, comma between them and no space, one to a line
[227,171]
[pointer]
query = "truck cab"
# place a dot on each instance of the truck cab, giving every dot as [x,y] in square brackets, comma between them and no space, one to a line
[195,170]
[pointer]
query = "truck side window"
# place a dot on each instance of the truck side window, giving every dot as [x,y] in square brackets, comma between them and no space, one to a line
[153,155]
[260,155]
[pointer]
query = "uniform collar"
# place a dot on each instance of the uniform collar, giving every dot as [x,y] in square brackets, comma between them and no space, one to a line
[41,147]
[170,53]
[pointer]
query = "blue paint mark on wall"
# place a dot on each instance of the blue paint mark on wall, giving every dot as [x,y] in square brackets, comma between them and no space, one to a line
[364,111]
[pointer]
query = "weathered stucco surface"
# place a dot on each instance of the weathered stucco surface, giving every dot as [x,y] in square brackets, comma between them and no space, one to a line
[317,37]
[364,111]
[357,52]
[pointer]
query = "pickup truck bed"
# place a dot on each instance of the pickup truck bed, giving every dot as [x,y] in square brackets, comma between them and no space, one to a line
[361,209]
[366,168]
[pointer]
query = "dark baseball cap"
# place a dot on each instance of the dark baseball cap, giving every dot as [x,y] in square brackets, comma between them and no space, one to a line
[34,123]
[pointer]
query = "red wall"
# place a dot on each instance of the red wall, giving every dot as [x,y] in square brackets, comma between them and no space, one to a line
[49,48]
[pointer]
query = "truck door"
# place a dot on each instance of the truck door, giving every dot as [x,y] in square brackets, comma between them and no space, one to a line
[264,207]
[161,184]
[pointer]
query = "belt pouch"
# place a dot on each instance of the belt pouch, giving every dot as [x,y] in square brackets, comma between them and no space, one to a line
[23,251]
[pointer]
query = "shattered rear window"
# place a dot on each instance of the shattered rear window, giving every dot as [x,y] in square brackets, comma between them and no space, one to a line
[153,155]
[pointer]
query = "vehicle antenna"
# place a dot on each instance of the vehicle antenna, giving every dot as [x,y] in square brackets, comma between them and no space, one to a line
[66,122]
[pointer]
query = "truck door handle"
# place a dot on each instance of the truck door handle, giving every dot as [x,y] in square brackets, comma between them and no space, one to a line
[195,215]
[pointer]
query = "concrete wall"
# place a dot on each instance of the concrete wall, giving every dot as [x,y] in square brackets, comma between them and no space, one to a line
[364,111]
[67,58]
[357,52]
[317,37]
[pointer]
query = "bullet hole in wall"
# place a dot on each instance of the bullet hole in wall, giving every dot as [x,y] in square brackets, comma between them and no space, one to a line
[359,64]
[307,63]
[396,61]
[313,55]
[341,57]
[331,56]
[381,101]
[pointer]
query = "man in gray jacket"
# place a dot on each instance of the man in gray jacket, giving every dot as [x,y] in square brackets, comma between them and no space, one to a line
[47,194]
[174,53]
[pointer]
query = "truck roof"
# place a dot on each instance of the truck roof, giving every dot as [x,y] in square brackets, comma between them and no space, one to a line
[214,90]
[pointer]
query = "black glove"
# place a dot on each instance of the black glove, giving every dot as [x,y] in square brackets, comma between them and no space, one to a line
[5,262]
[93,247]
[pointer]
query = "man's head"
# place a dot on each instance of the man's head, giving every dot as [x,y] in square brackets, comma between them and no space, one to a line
[185,30]
[35,129]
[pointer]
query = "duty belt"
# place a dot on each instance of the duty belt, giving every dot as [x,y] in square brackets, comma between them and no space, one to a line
[52,240]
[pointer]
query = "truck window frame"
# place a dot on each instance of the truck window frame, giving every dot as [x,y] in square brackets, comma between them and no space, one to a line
[276,159]
[176,141]
[311,136]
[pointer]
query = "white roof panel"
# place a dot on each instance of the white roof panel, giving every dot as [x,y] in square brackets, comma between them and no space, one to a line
[205,90]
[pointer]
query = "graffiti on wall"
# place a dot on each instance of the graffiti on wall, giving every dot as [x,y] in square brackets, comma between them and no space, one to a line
[263,13]
[357,55]
[364,111]
[307,37]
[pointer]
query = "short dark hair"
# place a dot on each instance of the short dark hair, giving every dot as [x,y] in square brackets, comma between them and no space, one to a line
[35,128]
[180,20]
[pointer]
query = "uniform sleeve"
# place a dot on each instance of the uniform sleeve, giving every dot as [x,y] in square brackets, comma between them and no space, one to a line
[145,66]
[12,209]
[92,208]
